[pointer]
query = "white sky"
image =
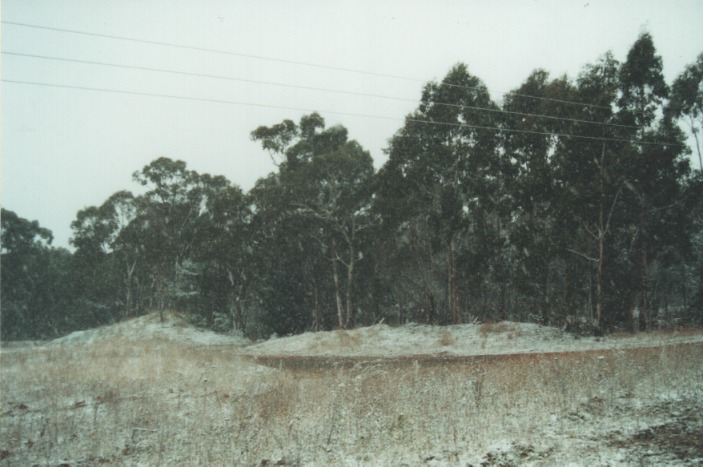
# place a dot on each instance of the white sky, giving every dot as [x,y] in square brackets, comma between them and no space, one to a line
[66,149]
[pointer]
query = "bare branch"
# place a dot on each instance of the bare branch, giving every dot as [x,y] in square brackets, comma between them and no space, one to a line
[610,214]
[582,255]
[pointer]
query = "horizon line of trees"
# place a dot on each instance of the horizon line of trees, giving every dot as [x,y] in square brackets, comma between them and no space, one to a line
[571,203]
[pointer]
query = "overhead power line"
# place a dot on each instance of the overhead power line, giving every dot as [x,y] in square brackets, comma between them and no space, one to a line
[210,50]
[274,59]
[309,88]
[333,112]
[188,98]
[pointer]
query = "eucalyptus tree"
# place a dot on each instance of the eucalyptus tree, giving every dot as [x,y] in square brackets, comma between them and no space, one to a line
[180,243]
[35,285]
[320,197]
[687,102]
[536,118]
[334,188]
[94,266]
[23,243]
[222,251]
[439,192]
[656,167]
[287,271]
[166,225]
[107,256]
[587,186]
[696,194]
[686,105]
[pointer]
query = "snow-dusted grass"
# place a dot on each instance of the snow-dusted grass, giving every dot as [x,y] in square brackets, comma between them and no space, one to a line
[173,327]
[469,339]
[151,394]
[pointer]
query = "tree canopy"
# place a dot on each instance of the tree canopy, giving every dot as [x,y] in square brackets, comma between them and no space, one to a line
[568,201]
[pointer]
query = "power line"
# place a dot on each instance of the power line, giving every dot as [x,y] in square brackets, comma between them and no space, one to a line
[205,75]
[298,109]
[188,98]
[211,50]
[309,88]
[278,60]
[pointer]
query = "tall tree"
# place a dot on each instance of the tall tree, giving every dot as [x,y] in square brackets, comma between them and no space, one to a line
[438,193]
[589,182]
[535,118]
[322,189]
[687,102]
[35,282]
[334,188]
[168,215]
[655,169]
[283,253]
[223,251]
[106,257]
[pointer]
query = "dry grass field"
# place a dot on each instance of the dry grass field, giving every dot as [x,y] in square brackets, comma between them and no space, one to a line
[132,394]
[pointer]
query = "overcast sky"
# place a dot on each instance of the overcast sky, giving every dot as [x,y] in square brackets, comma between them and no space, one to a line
[66,149]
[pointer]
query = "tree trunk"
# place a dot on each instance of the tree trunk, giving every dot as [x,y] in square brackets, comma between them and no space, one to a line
[601,240]
[700,280]
[644,283]
[350,281]
[160,289]
[239,318]
[338,295]
[316,310]
[240,307]
[591,294]
[128,292]
[128,297]
[502,310]
[239,314]
[568,286]
[698,145]
[544,301]
[431,308]
[629,305]
[453,287]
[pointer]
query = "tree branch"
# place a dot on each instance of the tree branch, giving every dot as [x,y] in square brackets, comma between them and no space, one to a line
[582,255]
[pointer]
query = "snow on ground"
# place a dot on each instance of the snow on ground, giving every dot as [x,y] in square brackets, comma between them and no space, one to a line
[379,340]
[146,392]
[173,327]
[467,339]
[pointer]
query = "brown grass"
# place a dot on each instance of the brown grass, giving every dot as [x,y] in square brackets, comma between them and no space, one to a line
[446,339]
[162,402]
[490,327]
[348,339]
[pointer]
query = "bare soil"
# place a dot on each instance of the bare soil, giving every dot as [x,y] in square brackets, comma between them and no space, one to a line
[322,362]
[681,437]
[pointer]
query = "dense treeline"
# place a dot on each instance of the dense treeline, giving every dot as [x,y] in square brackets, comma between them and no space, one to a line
[571,203]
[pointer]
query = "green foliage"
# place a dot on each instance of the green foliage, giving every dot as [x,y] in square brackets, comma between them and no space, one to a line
[309,220]
[687,102]
[35,286]
[439,198]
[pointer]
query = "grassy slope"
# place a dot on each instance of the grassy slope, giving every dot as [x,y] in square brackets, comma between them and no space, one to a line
[143,393]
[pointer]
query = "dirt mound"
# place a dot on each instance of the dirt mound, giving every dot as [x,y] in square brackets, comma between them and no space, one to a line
[433,344]
[173,327]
